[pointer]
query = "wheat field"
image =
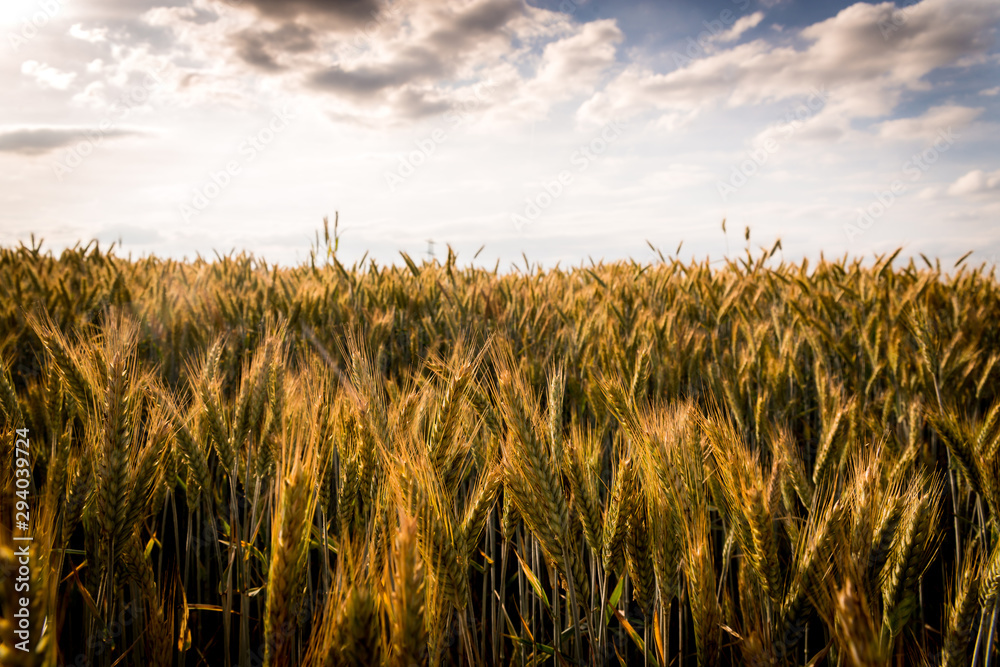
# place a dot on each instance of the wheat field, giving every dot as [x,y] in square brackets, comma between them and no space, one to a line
[669,463]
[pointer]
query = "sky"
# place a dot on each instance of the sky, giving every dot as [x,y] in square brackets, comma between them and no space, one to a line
[560,131]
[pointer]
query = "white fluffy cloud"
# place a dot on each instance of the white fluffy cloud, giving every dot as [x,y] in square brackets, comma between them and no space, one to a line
[47,76]
[976,182]
[740,26]
[928,125]
[92,35]
[864,67]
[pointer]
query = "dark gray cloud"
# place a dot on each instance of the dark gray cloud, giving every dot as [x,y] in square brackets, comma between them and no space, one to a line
[432,57]
[479,20]
[352,12]
[414,64]
[40,140]
[414,104]
[407,103]
[263,48]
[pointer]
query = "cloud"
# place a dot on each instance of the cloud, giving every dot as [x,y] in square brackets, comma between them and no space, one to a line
[352,12]
[741,25]
[990,92]
[445,41]
[126,8]
[580,60]
[865,72]
[976,182]
[568,67]
[368,81]
[412,60]
[46,76]
[927,126]
[264,48]
[442,52]
[93,35]
[40,140]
